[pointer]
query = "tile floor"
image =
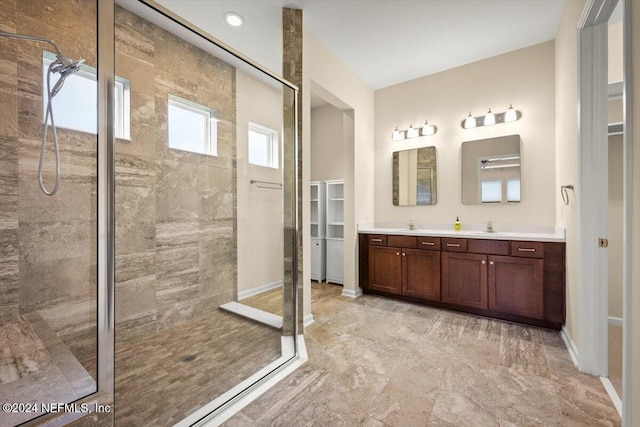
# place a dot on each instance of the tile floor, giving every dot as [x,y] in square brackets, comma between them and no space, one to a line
[162,378]
[380,362]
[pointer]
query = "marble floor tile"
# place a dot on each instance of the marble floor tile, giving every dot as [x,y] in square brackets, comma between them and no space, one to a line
[441,368]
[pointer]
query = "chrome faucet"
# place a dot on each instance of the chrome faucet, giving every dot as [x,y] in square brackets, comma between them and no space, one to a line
[412,226]
[489,227]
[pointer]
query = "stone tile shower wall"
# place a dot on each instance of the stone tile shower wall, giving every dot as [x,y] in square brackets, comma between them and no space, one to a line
[175,210]
[47,244]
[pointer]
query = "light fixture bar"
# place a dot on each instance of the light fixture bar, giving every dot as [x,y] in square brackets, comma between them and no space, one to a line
[414,132]
[489,119]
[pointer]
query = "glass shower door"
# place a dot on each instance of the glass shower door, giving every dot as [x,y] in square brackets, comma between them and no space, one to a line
[204,293]
[48,242]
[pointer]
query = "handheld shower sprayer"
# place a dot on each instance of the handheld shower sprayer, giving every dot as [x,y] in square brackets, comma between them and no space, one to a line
[64,67]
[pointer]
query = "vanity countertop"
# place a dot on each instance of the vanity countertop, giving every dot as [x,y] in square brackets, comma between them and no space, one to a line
[525,233]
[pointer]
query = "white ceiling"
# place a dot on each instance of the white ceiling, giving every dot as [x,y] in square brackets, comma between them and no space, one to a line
[384,42]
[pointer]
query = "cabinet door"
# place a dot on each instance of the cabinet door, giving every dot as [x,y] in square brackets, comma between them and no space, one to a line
[317,260]
[335,269]
[516,286]
[421,274]
[385,269]
[464,279]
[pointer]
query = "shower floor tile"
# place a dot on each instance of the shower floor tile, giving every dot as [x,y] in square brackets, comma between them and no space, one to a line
[162,378]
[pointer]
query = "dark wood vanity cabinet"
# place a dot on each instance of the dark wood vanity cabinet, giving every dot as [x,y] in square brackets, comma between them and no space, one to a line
[385,270]
[464,279]
[403,269]
[511,280]
[421,274]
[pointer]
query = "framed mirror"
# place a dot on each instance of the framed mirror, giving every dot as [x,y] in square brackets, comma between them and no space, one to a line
[491,171]
[414,177]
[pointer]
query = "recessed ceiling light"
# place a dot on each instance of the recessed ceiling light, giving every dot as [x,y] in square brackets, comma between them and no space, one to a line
[234,19]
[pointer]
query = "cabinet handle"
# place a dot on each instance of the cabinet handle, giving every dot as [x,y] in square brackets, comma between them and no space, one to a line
[403,254]
[484,262]
[490,262]
[454,245]
[397,253]
[526,250]
[376,240]
[428,243]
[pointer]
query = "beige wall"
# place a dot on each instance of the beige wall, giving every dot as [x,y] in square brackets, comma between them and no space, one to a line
[633,296]
[525,78]
[326,141]
[324,71]
[260,244]
[566,72]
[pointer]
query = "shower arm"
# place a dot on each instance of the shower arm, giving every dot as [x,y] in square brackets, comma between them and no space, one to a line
[32,38]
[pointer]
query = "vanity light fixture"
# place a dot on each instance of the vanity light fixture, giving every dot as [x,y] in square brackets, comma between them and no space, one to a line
[491,118]
[412,132]
[510,115]
[234,19]
[425,130]
[397,135]
[470,122]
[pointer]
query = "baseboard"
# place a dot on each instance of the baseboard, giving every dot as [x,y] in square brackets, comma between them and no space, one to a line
[260,289]
[615,321]
[351,294]
[571,347]
[613,394]
[308,320]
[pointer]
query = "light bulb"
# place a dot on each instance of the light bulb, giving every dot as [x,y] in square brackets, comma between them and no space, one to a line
[397,135]
[470,122]
[489,118]
[428,129]
[412,132]
[510,115]
[234,19]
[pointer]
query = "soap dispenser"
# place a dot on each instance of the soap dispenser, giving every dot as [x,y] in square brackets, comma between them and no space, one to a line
[456,225]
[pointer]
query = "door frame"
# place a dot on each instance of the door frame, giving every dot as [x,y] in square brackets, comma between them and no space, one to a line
[592,212]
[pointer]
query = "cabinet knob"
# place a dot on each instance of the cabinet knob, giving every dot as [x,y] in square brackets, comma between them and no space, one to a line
[484,262]
[403,254]
[397,253]
[490,262]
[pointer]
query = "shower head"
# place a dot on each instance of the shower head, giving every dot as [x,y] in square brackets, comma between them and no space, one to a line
[65,67]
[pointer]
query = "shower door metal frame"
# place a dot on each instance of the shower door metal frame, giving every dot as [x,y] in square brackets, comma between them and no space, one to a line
[106,200]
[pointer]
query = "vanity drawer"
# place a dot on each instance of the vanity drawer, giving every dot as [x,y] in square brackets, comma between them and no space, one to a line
[377,240]
[527,249]
[489,247]
[402,241]
[429,243]
[451,244]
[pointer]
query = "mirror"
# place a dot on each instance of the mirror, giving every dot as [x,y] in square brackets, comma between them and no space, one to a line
[491,171]
[414,177]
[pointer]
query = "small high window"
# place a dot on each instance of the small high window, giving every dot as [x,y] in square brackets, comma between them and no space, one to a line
[75,107]
[192,127]
[263,146]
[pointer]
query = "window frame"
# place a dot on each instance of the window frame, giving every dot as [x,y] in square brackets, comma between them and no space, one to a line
[210,147]
[273,149]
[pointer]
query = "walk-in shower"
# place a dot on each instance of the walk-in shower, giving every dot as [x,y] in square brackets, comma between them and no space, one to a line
[64,67]
[111,291]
